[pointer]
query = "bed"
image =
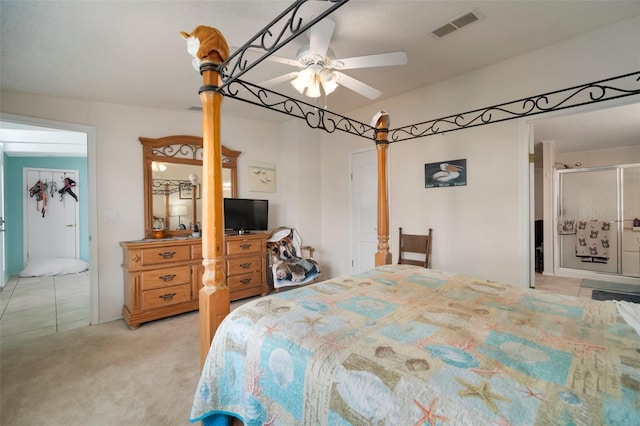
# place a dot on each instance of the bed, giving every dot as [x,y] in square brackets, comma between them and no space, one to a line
[584,343]
[405,345]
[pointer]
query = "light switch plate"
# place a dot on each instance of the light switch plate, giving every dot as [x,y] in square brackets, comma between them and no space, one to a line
[110,214]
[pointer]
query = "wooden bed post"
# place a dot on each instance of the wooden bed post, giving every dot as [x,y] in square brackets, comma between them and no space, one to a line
[214,295]
[212,49]
[381,122]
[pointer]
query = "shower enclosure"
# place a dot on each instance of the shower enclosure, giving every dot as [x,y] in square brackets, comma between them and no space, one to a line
[596,208]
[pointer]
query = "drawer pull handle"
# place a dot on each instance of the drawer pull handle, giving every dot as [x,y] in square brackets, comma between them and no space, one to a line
[245,280]
[167,277]
[245,265]
[245,246]
[167,254]
[167,297]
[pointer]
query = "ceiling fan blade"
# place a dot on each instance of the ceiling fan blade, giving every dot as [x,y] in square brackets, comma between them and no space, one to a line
[287,61]
[281,79]
[357,86]
[379,60]
[320,36]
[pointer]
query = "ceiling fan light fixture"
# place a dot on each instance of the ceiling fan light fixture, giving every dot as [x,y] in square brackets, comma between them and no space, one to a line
[304,79]
[299,85]
[313,90]
[328,81]
[329,87]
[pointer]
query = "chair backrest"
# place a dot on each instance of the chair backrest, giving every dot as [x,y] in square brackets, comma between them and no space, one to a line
[419,248]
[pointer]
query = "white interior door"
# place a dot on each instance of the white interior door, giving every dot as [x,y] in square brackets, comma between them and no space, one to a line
[364,210]
[51,217]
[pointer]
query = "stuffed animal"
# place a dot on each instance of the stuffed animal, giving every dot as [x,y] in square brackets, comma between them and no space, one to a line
[206,44]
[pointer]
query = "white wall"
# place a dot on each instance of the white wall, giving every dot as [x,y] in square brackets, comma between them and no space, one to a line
[603,157]
[480,229]
[119,167]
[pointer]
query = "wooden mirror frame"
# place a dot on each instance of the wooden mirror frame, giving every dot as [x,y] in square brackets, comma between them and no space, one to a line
[179,149]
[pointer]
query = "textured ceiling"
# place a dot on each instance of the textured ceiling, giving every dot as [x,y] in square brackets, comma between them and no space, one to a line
[130,52]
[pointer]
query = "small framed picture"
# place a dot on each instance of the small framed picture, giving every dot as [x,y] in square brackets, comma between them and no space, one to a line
[186,191]
[262,177]
[445,173]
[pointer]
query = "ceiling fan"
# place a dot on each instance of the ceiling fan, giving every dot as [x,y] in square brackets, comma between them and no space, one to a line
[320,68]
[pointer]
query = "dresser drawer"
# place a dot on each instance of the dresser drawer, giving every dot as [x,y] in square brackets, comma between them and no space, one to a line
[196,251]
[166,296]
[154,256]
[244,281]
[161,278]
[244,246]
[244,264]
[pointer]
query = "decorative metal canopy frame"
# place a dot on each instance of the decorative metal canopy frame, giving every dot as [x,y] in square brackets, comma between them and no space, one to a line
[224,80]
[289,25]
[599,91]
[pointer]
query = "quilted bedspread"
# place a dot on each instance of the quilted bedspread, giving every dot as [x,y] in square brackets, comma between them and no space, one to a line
[403,345]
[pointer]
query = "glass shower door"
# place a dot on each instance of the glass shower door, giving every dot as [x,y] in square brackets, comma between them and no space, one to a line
[631,212]
[588,217]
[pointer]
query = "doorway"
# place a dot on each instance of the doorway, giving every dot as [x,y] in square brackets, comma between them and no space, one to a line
[31,137]
[588,137]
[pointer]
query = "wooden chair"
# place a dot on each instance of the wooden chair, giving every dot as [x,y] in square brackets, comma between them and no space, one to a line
[418,247]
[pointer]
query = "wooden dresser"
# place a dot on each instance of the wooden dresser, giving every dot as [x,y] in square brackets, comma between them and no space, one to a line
[163,277]
[245,265]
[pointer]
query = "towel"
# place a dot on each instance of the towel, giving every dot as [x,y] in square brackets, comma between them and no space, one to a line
[566,226]
[630,312]
[592,239]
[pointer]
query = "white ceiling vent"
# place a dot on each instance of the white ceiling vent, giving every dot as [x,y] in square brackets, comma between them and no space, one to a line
[456,24]
[195,108]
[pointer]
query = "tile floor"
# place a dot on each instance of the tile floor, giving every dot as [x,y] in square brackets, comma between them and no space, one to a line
[37,306]
[562,285]
[33,307]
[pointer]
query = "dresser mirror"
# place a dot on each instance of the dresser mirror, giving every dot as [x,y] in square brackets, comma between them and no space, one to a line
[172,168]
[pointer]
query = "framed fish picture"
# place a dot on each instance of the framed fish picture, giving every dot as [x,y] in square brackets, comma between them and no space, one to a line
[445,173]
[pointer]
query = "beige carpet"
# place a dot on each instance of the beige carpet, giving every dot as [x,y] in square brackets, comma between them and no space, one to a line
[103,375]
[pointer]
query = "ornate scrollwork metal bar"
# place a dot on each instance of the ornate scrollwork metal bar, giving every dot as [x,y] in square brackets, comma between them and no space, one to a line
[599,91]
[188,151]
[270,39]
[168,186]
[315,117]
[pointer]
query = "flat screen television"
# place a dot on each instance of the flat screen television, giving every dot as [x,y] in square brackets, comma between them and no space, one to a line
[244,215]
